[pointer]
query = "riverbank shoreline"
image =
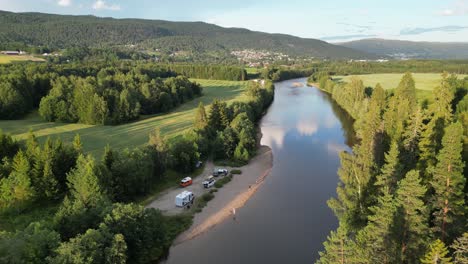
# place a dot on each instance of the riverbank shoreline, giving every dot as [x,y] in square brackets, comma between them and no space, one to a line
[233,196]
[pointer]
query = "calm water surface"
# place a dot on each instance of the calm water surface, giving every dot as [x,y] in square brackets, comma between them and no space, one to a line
[287,220]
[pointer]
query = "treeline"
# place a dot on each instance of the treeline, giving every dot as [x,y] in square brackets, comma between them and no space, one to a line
[91,93]
[278,74]
[393,66]
[92,224]
[113,97]
[402,191]
[215,72]
[228,132]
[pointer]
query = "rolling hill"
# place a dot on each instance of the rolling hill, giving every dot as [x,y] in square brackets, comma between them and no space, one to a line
[62,31]
[410,49]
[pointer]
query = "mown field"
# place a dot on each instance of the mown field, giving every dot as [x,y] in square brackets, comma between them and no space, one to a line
[425,82]
[95,138]
[8,58]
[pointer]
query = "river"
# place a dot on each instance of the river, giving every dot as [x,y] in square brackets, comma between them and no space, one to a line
[288,219]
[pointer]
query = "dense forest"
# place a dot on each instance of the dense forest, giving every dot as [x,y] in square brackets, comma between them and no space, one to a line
[60,31]
[392,66]
[95,220]
[411,49]
[402,191]
[101,93]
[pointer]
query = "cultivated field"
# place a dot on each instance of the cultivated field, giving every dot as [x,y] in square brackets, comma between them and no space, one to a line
[95,138]
[10,58]
[424,81]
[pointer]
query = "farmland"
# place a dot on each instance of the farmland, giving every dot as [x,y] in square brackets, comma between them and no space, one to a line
[95,138]
[425,82]
[8,59]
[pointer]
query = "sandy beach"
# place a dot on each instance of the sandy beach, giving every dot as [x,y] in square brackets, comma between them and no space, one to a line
[232,196]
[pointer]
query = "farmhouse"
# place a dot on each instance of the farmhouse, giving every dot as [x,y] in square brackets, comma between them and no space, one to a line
[11,52]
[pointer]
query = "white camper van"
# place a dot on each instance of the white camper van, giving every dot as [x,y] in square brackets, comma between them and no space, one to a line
[184,198]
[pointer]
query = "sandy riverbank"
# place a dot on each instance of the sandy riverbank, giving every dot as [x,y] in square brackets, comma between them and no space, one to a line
[233,195]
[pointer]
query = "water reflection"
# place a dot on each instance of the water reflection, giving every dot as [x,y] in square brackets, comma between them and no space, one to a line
[287,220]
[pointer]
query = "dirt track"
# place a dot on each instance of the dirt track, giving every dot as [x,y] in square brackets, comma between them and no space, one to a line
[233,195]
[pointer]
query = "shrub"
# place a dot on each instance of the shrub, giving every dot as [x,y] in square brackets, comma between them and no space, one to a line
[236,171]
[220,183]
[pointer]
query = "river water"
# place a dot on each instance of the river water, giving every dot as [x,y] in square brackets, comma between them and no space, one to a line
[288,219]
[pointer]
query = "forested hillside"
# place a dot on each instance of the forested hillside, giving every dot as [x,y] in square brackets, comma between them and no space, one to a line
[402,191]
[410,49]
[61,31]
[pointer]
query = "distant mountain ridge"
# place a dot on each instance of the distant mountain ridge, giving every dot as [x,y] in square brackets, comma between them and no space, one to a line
[410,49]
[61,31]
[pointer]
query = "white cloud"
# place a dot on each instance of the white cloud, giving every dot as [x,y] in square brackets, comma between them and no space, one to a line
[102,5]
[64,2]
[459,8]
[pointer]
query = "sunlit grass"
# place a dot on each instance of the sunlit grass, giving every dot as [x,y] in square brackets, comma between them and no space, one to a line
[95,138]
[11,58]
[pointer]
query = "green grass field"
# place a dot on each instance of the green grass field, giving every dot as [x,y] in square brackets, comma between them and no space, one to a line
[425,82]
[95,138]
[9,58]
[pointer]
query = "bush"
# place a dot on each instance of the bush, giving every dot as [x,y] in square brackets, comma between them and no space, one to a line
[220,183]
[213,190]
[207,197]
[236,171]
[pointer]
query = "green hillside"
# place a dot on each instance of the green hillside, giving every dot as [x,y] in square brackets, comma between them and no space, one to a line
[62,31]
[411,49]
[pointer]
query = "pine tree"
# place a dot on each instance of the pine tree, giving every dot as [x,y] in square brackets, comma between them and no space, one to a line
[48,181]
[117,252]
[350,206]
[158,142]
[414,227]
[375,241]
[338,248]
[400,107]
[16,189]
[437,254]
[391,171]
[77,145]
[201,120]
[84,183]
[411,139]
[460,249]
[443,97]
[448,183]
[214,118]
[379,97]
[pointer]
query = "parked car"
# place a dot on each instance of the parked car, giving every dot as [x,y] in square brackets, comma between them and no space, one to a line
[209,182]
[184,198]
[219,172]
[186,182]
[198,164]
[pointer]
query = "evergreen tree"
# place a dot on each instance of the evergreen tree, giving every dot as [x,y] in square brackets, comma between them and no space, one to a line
[460,249]
[411,139]
[200,117]
[448,183]
[16,189]
[400,107]
[350,206]
[77,145]
[338,248]
[214,119]
[413,230]
[117,252]
[437,254]
[375,241]
[391,171]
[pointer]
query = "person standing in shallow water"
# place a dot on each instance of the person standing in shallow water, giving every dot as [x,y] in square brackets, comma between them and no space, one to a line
[233,211]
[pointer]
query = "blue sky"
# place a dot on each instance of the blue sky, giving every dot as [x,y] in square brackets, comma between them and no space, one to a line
[332,20]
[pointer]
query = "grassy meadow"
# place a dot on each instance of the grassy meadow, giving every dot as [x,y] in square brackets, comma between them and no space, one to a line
[10,58]
[95,138]
[425,82]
